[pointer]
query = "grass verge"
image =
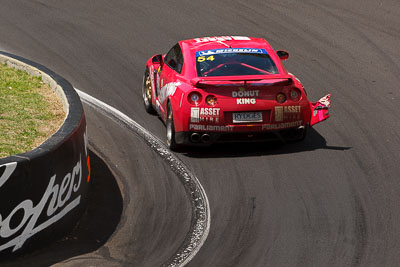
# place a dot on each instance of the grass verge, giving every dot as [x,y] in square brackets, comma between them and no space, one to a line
[30,111]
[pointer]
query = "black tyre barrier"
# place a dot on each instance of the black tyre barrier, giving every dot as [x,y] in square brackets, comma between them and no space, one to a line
[43,192]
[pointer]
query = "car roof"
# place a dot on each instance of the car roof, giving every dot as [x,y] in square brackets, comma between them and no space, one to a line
[217,42]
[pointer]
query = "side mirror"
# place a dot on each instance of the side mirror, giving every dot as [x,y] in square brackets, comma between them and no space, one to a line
[157,59]
[283,55]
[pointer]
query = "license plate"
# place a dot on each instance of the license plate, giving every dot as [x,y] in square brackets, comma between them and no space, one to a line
[247,117]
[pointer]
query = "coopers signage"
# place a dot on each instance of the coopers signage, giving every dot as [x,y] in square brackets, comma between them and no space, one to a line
[52,198]
[55,198]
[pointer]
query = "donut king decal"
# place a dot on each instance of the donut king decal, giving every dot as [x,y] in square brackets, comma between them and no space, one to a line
[243,96]
[57,201]
[204,115]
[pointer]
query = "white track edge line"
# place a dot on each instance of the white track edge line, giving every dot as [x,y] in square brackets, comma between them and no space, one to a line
[180,259]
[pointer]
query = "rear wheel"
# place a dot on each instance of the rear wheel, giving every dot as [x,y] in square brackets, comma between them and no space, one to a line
[147,93]
[302,133]
[171,129]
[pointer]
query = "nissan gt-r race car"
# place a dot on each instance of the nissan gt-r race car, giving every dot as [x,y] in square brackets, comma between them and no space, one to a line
[227,89]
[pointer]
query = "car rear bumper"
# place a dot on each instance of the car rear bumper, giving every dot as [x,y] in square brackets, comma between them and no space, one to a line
[205,138]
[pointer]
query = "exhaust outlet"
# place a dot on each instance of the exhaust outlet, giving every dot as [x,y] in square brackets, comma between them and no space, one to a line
[195,137]
[205,138]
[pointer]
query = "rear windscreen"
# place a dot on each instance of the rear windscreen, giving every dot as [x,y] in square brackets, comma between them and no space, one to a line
[233,62]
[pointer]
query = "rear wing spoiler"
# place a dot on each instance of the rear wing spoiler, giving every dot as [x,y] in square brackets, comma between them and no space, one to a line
[271,80]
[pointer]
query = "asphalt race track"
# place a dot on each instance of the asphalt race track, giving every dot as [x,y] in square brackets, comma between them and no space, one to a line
[333,200]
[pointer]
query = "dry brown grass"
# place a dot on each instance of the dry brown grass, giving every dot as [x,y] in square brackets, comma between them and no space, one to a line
[55,107]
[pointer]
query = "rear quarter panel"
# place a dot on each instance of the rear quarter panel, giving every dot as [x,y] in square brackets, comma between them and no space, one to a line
[180,105]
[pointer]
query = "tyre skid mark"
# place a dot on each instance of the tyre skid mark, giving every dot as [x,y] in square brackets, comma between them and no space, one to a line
[200,223]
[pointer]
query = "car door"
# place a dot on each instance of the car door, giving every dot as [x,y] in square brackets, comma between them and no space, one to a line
[173,63]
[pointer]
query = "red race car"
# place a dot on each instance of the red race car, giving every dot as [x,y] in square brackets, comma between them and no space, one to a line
[225,89]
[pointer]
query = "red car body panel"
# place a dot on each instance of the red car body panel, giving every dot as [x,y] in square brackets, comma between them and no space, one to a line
[255,94]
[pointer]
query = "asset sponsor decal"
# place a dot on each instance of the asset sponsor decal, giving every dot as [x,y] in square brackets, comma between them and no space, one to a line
[214,128]
[22,222]
[287,113]
[292,112]
[168,90]
[278,113]
[195,115]
[292,109]
[204,115]
[221,39]
[230,50]
[282,125]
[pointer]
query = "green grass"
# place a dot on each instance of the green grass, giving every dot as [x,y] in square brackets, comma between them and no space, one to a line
[25,112]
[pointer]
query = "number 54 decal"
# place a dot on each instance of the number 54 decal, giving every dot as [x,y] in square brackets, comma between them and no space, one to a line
[203,58]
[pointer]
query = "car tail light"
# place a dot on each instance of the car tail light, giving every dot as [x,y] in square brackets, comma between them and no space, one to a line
[211,100]
[194,98]
[281,98]
[295,95]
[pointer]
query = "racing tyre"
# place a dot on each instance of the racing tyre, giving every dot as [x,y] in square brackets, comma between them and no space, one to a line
[171,142]
[147,93]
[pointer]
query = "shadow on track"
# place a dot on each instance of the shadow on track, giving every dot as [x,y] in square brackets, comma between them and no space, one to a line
[98,223]
[312,142]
